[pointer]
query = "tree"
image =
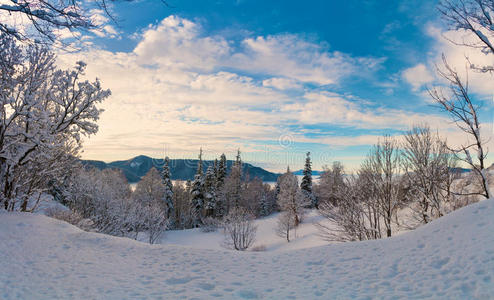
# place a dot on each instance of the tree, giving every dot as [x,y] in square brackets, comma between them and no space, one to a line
[210,192]
[464,113]
[150,209]
[331,183]
[168,193]
[290,199]
[426,165]
[46,21]
[353,218]
[284,224]
[221,173]
[240,231]
[197,193]
[306,184]
[151,188]
[475,17]
[384,163]
[45,112]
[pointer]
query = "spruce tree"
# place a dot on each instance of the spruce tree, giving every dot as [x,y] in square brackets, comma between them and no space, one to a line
[236,176]
[306,184]
[168,195]
[221,173]
[197,194]
[210,192]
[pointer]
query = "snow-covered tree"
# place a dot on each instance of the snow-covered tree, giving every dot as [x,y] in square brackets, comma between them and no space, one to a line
[150,188]
[197,193]
[210,195]
[474,19]
[426,163]
[306,184]
[240,231]
[384,163]
[49,21]
[221,173]
[290,199]
[168,194]
[45,112]
[284,224]
[331,183]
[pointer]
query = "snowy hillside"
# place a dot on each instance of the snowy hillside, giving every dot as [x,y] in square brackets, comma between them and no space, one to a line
[451,258]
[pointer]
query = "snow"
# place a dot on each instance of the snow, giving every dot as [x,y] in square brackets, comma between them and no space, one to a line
[305,236]
[450,258]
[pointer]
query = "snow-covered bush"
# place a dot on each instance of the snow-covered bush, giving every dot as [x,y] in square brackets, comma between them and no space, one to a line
[239,229]
[210,224]
[68,216]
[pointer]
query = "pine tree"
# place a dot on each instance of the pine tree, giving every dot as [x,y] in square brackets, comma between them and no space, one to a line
[236,176]
[210,192]
[197,194]
[168,195]
[221,173]
[306,184]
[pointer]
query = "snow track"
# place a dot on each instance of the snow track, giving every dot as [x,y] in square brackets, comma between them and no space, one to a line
[451,258]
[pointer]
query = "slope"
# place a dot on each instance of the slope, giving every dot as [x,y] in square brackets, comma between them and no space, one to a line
[450,258]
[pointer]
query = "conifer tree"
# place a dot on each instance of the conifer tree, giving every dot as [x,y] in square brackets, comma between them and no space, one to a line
[197,194]
[236,176]
[221,173]
[210,192]
[168,195]
[306,184]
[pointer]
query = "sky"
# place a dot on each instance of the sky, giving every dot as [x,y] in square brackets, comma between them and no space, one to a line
[275,79]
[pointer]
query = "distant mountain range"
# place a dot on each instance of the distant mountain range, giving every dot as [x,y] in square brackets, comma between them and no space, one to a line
[181,169]
[301,173]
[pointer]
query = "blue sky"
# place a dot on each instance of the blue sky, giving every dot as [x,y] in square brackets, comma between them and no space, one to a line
[273,78]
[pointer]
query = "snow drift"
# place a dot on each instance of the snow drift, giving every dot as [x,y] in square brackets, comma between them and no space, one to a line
[450,258]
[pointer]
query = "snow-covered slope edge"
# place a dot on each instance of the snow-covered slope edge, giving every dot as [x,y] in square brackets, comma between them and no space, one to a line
[451,258]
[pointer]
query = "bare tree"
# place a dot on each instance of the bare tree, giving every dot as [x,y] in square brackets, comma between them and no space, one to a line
[284,224]
[475,17]
[464,112]
[240,231]
[426,164]
[384,163]
[356,217]
[330,183]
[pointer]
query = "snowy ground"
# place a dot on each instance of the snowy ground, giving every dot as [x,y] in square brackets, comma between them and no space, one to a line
[306,236]
[451,258]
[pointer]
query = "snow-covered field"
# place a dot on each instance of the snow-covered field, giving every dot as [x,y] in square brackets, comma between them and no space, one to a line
[451,258]
[306,236]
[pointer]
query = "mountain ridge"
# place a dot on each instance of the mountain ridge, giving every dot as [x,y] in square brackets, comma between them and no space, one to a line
[181,169]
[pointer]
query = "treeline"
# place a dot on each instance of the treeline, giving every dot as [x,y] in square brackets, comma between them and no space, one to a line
[417,176]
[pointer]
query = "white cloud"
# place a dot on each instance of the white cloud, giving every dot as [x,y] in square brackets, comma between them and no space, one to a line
[281,83]
[456,55]
[418,76]
[181,89]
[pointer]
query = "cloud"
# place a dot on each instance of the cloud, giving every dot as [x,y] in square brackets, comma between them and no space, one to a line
[181,89]
[281,83]
[418,76]
[457,55]
[182,43]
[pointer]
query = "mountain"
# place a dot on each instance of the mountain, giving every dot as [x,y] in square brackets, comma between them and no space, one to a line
[301,173]
[181,169]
